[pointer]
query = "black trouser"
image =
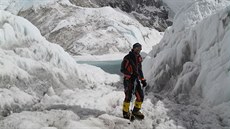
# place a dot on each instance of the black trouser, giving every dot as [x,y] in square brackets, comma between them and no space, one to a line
[131,86]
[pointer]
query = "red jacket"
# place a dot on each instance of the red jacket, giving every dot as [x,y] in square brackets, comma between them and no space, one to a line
[131,66]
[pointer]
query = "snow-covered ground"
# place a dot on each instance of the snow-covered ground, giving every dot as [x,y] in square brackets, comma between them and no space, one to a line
[42,86]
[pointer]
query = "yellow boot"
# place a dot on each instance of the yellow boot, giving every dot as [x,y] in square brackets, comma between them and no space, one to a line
[126,113]
[126,106]
[136,110]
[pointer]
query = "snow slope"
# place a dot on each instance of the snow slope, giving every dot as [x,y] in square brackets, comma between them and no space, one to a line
[30,65]
[150,13]
[14,6]
[193,58]
[76,28]
[175,5]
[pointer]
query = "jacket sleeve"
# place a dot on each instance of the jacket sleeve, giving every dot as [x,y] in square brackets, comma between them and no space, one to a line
[124,65]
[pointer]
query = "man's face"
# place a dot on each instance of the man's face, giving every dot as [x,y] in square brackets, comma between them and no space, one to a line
[137,50]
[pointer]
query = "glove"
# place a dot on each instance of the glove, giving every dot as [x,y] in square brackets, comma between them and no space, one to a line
[143,82]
